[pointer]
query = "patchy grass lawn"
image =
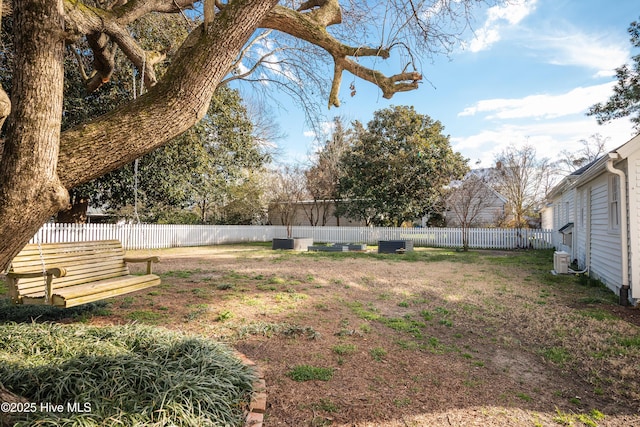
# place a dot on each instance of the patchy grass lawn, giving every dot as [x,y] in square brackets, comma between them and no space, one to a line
[428,338]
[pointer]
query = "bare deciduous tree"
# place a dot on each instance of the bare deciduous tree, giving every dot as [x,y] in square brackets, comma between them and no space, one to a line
[523,180]
[288,190]
[323,176]
[592,148]
[467,201]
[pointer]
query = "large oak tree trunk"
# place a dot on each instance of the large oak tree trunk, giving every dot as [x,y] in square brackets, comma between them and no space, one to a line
[8,397]
[31,195]
[31,192]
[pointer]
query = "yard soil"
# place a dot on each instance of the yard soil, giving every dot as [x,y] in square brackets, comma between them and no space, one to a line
[451,340]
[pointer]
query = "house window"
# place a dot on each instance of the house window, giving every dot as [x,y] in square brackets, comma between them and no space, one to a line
[614,203]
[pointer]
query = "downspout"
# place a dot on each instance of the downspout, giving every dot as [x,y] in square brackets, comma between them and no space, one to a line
[624,291]
[588,230]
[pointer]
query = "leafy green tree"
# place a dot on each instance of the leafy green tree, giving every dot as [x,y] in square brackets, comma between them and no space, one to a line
[247,202]
[197,170]
[625,101]
[227,134]
[397,168]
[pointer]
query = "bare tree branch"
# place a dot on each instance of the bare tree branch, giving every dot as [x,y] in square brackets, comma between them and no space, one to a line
[209,12]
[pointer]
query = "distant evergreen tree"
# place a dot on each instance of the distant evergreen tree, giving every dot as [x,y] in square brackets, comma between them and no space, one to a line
[397,168]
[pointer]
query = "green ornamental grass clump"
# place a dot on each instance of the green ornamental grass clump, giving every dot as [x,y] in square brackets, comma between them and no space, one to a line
[310,373]
[130,375]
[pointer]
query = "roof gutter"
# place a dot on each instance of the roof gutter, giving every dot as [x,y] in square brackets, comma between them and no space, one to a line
[624,291]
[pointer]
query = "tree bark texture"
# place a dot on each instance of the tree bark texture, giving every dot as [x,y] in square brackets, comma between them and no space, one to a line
[5,102]
[172,106]
[6,396]
[30,191]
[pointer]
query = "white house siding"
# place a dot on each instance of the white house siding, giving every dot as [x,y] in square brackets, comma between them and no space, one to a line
[605,244]
[487,217]
[490,215]
[596,245]
[564,213]
[546,218]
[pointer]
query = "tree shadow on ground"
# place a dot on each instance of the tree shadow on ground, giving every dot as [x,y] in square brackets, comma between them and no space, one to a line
[41,313]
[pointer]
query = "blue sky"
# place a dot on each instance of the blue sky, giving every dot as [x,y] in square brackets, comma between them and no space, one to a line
[527,75]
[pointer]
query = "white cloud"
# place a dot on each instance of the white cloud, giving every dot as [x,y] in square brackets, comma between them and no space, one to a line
[575,101]
[548,137]
[596,52]
[509,14]
[485,37]
[324,130]
[512,12]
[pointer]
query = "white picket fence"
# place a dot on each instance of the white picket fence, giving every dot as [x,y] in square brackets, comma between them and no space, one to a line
[156,236]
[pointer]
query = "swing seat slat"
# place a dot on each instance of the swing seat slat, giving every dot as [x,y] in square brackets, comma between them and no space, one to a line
[76,273]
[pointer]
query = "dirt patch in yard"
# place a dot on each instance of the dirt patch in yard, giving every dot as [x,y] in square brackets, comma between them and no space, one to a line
[430,338]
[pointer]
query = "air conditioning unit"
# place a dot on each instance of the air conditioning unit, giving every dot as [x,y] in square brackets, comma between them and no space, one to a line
[561,262]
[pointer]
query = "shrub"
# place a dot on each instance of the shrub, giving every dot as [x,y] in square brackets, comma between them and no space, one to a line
[129,375]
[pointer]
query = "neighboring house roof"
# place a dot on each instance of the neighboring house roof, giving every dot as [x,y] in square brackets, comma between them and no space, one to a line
[568,180]
[484,174]
[596,167]
[584,168]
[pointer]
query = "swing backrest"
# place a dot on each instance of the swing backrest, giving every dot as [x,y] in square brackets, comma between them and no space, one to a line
[83,261]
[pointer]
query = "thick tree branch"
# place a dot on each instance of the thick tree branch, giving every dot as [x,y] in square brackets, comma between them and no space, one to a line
[308,23]
[133,10]
[103,60]
[5,102]
[324,12]
[311,28]
[209,12]
[103,27]
[167,109]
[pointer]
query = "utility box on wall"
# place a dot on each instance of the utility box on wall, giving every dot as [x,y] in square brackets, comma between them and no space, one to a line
[561,262]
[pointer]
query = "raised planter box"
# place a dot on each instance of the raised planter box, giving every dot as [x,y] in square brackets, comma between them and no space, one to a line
[333,248]
[394,246]
[354,246]
[295,243]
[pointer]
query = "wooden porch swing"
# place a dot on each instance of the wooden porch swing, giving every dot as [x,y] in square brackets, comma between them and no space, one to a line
[70,274]
[74,273]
